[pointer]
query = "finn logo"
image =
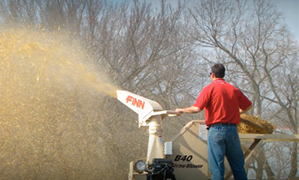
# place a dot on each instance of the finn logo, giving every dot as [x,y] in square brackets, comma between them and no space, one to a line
[135,102]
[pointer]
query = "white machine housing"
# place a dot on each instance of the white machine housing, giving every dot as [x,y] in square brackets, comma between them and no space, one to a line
[150,115]
[188,149]
[145,108]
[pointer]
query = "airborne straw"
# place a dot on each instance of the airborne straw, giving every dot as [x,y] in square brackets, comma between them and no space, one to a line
[50,103]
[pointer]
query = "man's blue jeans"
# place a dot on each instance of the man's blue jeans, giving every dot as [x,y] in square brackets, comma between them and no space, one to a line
[224,141]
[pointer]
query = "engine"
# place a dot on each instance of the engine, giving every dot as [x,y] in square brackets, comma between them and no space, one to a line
[161,169]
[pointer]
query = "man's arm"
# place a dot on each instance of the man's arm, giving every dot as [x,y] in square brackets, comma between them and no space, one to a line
[191,110]
[245,110]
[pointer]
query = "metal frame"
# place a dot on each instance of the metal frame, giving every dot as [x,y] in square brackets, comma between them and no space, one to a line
[258,139]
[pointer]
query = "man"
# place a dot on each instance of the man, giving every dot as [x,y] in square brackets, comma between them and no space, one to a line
[223,104]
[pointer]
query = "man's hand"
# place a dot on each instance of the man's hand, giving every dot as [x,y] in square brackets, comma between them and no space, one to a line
[179,110]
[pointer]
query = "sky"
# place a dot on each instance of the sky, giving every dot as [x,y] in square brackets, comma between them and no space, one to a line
[289,8]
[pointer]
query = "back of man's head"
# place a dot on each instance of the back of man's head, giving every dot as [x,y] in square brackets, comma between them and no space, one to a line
[218,70]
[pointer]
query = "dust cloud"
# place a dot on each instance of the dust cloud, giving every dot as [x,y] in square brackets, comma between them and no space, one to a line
[50,101]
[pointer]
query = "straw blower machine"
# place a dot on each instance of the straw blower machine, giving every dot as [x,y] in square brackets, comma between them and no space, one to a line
[185,156]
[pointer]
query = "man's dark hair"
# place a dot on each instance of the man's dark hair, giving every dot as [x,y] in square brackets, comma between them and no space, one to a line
[218,70]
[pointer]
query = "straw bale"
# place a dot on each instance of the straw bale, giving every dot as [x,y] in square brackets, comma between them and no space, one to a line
[253,125]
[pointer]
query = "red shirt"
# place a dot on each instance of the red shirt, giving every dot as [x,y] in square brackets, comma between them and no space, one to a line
[221,102]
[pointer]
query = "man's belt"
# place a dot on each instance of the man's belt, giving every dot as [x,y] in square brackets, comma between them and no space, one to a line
[222,124]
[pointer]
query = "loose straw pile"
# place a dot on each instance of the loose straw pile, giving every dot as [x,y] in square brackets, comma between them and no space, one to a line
[254,125]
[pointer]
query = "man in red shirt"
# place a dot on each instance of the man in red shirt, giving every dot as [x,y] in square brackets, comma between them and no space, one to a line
[223,104]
